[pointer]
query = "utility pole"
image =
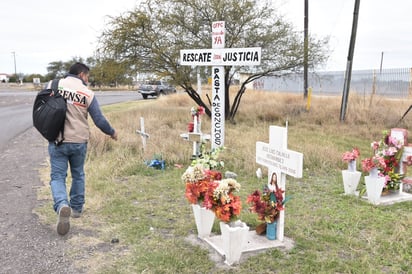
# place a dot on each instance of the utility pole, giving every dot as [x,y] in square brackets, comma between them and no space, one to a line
[15,67]
[348,72]
[380,68]
[306,45]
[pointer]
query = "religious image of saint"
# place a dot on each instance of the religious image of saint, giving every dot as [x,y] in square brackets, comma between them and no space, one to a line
[273,182]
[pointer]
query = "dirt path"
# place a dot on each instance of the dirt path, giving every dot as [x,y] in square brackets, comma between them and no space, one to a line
[26,245]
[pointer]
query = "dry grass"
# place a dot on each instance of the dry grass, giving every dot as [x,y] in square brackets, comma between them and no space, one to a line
[167,117]
[126,199]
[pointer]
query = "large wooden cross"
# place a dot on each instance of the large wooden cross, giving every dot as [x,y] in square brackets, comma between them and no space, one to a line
[279,160]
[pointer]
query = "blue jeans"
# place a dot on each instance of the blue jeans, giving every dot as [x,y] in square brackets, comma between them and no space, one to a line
[60,157]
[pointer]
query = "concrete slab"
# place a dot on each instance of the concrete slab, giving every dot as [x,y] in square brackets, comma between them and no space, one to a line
[392,198]
[254,243]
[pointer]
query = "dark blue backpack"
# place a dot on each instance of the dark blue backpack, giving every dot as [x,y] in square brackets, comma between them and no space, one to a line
[49,113]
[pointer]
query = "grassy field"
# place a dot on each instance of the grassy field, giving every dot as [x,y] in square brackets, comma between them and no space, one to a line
[137,219]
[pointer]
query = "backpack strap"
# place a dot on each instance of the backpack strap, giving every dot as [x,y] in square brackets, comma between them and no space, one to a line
[55,89]
[55,85]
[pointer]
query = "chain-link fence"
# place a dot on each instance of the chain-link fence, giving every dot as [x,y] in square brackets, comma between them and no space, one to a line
[387,82]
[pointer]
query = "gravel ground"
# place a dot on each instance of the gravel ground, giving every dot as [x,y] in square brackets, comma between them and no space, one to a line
[27,246]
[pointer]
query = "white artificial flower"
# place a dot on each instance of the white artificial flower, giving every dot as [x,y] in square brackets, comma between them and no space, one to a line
[259,173]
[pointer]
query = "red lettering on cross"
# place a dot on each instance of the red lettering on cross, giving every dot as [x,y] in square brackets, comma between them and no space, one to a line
[218,25]
[217,40]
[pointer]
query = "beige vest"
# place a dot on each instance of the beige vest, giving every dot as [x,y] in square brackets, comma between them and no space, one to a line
[79,98]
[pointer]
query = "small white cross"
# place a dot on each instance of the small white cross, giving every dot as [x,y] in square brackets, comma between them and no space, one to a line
[142,133]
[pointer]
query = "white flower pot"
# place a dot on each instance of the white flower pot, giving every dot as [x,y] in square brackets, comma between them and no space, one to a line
[352,166]
[350,181]
[234,236]
[374,186]
[374,172]
[204,219]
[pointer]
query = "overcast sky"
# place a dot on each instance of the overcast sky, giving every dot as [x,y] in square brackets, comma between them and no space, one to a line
[383,26]
[39,32]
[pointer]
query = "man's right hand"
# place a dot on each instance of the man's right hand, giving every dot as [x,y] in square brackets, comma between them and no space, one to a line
[114,136]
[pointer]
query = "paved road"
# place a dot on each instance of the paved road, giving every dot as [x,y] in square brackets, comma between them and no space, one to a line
[16,109]
[27,245]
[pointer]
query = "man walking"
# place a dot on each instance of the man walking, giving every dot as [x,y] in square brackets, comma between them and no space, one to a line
[72,151]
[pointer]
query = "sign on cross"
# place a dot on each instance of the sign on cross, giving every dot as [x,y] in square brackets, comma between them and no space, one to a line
[218,57]
[280,162]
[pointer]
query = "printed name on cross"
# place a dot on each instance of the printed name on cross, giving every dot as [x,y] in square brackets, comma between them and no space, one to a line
[277,152]
[197,57]
[288,161]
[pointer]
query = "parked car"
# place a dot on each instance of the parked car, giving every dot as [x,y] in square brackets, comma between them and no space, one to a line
[155,88]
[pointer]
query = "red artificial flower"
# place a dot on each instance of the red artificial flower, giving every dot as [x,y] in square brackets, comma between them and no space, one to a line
[267,204]
[213,175]
[195,192]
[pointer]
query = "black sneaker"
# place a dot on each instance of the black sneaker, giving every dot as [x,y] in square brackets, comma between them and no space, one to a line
[63,224]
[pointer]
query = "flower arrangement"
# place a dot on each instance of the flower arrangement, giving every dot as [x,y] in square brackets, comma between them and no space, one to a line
[373,162]
[202,172]
[220,198]
[197,181]
[209,159]
[349,156]
[267,204]
[197,111]
[205,186]
[387,158]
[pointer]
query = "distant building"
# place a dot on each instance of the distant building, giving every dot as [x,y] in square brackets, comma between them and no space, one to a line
[4,78]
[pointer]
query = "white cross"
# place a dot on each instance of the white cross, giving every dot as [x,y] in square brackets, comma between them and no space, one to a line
[280,160]
[218,57]
[142,133]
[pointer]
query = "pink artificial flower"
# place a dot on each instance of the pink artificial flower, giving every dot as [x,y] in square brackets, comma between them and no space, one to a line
[375,145]
[349,156]
[374,161]
[379,162]
[408,160]
[387,179]
[391,151]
